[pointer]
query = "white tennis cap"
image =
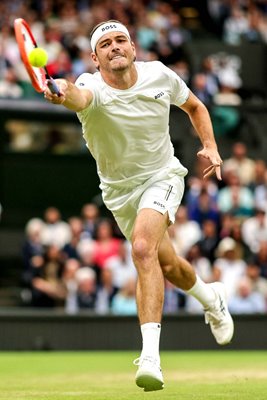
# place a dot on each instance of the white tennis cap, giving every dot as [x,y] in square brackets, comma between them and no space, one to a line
[105,28]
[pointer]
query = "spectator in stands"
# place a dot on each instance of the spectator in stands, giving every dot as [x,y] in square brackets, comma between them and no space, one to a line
[76,228]
[260,193]
[228,268]
[56,231]
[261,258]
[32,250]
[242,249]
[71,266]
[254,230]
[47,286]
[246,301]
[86,251]
[124,303]
[105,292]
[9,85]
[235,198]
[260,178]
[205,208]
[196,186]
[106,245]
[239,162]
[258,283]
[235,26]
[184,232]
[209,239]
[86,289]
[90,216]
[121,266]
[200,88]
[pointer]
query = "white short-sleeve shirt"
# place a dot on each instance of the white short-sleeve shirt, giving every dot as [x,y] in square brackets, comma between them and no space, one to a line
[127,131]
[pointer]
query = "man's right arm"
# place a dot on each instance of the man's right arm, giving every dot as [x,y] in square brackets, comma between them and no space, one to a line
[70,97]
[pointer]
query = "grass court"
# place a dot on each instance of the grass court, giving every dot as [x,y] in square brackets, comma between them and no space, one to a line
[189,375]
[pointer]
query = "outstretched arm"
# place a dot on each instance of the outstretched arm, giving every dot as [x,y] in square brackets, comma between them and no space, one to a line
[201,121]
[70,97]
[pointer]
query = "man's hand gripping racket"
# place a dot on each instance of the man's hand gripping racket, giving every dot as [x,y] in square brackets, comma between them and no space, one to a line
[39,76]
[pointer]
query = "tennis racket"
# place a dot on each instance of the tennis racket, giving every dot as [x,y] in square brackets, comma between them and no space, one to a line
[39,76]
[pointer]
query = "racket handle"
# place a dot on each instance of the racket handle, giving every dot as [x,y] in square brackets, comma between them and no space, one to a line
[53,86]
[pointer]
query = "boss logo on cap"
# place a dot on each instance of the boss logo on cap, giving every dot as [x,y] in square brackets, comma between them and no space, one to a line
[106,28]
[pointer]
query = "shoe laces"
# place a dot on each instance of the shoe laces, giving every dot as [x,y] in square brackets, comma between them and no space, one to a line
[216,313]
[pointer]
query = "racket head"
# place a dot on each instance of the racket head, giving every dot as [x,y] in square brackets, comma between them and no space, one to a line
[26,43]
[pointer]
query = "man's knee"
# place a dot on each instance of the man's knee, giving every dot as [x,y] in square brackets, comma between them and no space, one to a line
[142,249]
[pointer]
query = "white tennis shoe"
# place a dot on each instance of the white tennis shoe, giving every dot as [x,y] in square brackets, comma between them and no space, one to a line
[218,316]
[149,375]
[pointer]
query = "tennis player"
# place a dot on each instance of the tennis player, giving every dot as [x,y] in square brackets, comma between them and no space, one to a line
[124,112]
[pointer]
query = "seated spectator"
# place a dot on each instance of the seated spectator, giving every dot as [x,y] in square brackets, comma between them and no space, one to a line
[86,288]
[258,283]
[234,198]
[239,162]
[124,302]
[105,292]
[184,233]
[260,194]
[260,174]
[261,258]
[106,245]
[235,26]
[76,229]
[56,231]
[32,250]
[71,266]
[205,208]
[86,251]
[246,301]
[200,88]
[197,185]
[242,249]
[47,286]
[209,240]
[227,95]
[90,217]
[121,266]
[254,230]
[9,85]
[228,268]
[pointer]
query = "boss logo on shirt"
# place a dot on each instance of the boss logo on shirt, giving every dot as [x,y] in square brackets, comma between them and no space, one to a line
[160,94]
[106,28]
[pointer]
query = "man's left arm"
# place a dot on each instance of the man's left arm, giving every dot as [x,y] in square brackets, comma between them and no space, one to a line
[200,119]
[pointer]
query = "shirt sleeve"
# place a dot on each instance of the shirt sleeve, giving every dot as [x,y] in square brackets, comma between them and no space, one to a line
[179,89]
[88,81]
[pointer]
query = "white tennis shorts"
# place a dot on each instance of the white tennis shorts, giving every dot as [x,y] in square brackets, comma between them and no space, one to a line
[163,192]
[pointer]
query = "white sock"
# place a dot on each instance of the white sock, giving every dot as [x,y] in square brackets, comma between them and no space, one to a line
[151,335]
[202,292]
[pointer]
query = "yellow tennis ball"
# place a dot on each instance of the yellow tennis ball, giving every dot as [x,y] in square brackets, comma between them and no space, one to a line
[38,57]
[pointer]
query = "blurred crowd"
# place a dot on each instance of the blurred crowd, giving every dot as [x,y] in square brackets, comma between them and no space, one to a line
[160,30]
[85,263]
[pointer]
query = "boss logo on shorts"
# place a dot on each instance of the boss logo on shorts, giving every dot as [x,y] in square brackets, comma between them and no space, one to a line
[106,28]
[157,203]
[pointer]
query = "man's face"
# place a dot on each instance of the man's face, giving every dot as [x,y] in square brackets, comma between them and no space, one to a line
[114,52]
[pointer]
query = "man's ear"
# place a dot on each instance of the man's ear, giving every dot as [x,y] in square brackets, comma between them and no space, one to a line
[134,51]
[95,60]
